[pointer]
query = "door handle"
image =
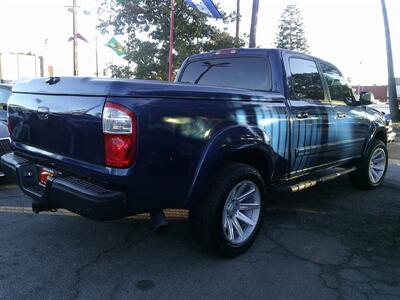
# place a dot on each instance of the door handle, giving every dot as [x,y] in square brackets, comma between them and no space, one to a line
[302,115]
[341,115]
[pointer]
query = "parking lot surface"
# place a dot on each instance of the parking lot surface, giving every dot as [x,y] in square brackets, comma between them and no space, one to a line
[329,242]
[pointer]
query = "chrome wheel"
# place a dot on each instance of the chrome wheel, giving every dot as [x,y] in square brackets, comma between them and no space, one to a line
[377,165]
[241,212]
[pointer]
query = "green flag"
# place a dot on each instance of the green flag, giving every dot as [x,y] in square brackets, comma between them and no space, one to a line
[116,46]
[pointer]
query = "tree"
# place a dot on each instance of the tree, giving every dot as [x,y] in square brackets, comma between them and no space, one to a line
[145,25]
[291,33]
[238,17]
[253,25]
[393,102]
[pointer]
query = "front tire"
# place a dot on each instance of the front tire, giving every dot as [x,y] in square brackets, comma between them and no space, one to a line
[229,220]
[371,170]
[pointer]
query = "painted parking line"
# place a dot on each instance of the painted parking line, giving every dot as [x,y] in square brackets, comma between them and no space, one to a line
[300,210]
[394,161]
[171,214]
[28,210]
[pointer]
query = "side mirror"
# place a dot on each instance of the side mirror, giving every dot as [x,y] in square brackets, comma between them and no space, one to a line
[366,98]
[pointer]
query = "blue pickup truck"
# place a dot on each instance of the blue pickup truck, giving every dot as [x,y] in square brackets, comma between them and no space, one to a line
[236,124]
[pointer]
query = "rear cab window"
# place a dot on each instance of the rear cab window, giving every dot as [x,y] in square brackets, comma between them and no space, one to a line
[246,72]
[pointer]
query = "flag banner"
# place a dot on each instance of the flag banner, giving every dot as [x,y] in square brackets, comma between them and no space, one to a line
[77,36]
[80,36]
[205,6]
[116,46]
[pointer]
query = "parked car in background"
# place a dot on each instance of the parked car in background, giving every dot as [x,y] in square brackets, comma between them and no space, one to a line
[5,93]
[383,109]
[236,124]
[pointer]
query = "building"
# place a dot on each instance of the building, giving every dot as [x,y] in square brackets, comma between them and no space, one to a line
[18,65]
[380,91]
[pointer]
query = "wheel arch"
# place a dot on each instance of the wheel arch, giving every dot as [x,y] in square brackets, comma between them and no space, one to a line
[381,135]
[235,144]
[378,134]
[260,159]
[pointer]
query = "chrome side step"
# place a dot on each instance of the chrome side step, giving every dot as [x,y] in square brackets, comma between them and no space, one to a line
[306,184]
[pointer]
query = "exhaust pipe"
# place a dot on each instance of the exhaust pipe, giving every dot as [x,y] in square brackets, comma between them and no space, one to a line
[160,224]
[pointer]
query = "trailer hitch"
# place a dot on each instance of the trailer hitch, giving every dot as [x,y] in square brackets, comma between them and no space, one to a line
[39,207]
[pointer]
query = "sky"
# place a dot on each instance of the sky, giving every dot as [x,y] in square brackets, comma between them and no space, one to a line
[348,33]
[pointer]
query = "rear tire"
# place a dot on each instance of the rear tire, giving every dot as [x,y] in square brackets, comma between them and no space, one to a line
[228,221]
[371,170]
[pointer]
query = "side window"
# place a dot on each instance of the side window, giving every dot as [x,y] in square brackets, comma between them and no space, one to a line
[337,85]
[306,81]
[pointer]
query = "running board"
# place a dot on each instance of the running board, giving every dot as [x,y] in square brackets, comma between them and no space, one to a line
[306,184]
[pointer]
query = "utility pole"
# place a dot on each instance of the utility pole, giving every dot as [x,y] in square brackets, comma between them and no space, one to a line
[75,35]
[74,41]
[393,103]
[237,20]
[253,26]
[171,40]
[290,28]
[1,71]
[35,58]
[17,65]
[97,59]
[41,66]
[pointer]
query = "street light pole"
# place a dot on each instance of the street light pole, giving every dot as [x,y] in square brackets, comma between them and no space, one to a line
[393,103]
[74,39]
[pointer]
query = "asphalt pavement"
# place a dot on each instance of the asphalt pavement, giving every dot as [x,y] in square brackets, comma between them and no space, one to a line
[330,242]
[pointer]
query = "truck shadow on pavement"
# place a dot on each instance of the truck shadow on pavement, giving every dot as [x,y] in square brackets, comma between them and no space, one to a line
[331,241]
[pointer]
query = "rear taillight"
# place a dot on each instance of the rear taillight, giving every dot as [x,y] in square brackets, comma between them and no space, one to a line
[119,129]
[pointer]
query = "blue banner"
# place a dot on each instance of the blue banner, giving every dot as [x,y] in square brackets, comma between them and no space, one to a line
[205,6]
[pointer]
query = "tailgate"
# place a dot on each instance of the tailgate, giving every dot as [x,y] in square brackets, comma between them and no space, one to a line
[66,125]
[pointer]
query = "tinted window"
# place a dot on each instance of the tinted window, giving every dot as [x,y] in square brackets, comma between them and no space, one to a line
[337,85]
[237,72]
[306,80]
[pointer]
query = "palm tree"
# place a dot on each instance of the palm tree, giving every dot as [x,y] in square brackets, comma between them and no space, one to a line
[393,104]
[253,26]
[237,20]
